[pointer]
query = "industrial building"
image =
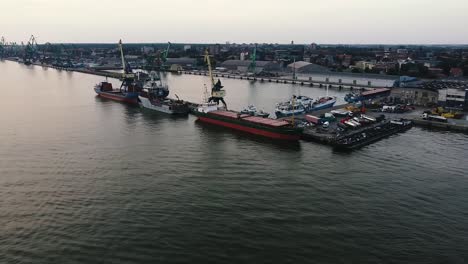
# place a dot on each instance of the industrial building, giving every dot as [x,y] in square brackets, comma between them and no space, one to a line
[414,95]
[444,93]
[454,97]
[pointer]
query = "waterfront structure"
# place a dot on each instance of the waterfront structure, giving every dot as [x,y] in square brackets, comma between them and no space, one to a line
[444,93]
[413,95]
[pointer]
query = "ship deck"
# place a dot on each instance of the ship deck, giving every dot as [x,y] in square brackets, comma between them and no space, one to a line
[252,119]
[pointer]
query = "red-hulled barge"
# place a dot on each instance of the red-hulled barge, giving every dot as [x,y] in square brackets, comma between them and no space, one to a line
[267,127]
[209,112]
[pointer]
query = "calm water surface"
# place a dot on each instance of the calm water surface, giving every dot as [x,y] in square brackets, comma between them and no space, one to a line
[86,180]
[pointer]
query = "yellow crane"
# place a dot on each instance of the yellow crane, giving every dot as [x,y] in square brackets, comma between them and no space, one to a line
[217,94]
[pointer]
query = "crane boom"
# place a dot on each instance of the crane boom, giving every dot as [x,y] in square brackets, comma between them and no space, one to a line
[166,52]
[127,71]
[122,57]
[208,62]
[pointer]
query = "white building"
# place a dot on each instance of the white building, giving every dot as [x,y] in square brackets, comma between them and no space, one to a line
[454,97]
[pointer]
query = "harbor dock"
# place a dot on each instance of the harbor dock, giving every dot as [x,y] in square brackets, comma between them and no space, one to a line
[451,125]
[287,80]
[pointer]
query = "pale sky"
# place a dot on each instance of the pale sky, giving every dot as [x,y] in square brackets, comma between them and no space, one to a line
[239,21]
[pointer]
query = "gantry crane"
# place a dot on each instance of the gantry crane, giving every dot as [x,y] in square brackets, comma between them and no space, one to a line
[30,51]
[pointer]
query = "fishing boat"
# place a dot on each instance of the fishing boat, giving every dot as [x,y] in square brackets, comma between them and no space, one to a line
[210,112]
[323,103]
[301,104]
[289,109]
[154,97]
[129,89]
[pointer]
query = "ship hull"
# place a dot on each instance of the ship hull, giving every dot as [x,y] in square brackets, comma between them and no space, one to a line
[283,114]
[131,98]
[273,133]
[324,105]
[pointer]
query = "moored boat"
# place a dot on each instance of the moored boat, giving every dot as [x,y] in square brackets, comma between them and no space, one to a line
[289,109]
[124,94]
[128,91]
[253,111]
[267,127]
[323,103]
[154,97]
[299,105]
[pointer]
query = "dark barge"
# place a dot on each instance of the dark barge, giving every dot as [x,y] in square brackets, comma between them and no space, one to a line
[355,138]
[359,139]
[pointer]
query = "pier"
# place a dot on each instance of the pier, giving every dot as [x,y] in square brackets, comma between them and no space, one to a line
[303,82]
[451,125]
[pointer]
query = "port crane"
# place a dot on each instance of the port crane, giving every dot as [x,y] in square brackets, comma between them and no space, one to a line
[217,94]
[45,49]
[30,51]
[128,77]
[164,56]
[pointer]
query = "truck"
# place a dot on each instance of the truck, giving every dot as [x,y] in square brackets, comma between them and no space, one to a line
[435,118]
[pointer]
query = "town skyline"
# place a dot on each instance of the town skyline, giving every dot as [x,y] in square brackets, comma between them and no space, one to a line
[326,22]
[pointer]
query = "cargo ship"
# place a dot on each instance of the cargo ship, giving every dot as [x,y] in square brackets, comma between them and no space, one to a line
[210,112]
[129,89]
[154,97]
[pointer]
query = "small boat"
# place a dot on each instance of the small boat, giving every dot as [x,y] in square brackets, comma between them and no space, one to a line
[128,91]
[289,109]
[154,97]
[252,110]
[323,103]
